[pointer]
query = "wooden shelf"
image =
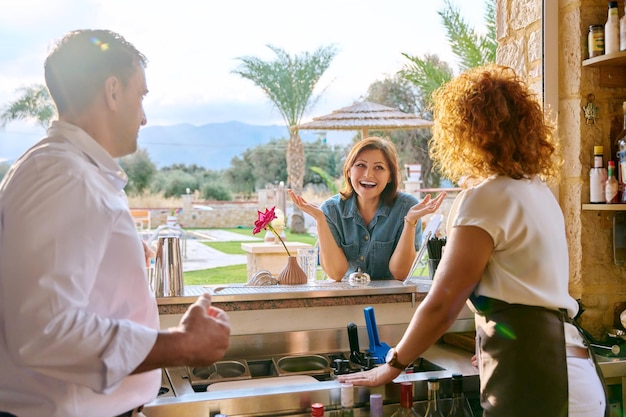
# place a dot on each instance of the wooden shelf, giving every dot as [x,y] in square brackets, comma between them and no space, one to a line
[605,207]
[612,69]
[616,59]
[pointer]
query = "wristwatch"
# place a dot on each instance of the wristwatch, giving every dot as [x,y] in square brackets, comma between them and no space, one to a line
[392,360]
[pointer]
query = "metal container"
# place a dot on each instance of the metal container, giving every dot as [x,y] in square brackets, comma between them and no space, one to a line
[168,274]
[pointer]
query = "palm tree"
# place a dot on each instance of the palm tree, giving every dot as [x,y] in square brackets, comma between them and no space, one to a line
[472,49]
[289,83]
[34,104]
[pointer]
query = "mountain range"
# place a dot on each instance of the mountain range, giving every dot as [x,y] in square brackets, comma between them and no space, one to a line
[211,145]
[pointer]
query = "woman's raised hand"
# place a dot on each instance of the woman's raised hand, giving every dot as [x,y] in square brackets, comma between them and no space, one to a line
[427,206]
[309,208]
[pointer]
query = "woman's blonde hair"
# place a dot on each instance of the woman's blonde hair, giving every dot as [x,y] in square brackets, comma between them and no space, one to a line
[391,156]
[487,122]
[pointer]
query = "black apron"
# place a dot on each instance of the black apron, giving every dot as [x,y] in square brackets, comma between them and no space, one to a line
[522,359]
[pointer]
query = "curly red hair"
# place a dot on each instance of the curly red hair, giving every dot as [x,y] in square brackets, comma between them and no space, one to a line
[487,122]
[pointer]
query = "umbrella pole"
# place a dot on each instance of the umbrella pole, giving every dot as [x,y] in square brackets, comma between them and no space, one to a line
[364,133]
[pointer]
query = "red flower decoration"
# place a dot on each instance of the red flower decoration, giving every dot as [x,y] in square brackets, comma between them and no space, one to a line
[264,222]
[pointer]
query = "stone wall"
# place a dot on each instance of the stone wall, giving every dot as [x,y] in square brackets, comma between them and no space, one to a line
[594,278]
[215,215]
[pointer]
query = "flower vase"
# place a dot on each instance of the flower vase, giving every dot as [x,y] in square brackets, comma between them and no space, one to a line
[292,274]
[269,237]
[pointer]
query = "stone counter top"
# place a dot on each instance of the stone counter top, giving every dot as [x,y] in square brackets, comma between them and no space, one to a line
[238,297]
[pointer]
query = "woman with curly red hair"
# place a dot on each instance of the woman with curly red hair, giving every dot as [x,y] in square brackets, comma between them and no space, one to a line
[506,253]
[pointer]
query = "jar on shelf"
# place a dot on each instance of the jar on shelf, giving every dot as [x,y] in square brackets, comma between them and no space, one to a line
[596,40]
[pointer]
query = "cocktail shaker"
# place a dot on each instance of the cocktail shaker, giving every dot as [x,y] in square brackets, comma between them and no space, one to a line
[168,279]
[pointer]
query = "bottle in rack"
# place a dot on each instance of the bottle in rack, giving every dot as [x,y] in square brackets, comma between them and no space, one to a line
[406,401]
[610,188]
[317,410]
[459,405]
[347,400]
[611,30]
[597,176]
[432,409]
[376,405]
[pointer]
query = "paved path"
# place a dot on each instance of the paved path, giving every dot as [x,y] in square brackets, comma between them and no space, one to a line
[200,256]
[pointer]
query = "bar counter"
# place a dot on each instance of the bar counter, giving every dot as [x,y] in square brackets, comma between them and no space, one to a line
[238,297]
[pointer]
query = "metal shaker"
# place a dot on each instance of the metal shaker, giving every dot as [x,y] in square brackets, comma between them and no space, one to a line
[168,280]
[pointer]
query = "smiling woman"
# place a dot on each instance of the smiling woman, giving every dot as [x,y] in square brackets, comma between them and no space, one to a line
[369,226]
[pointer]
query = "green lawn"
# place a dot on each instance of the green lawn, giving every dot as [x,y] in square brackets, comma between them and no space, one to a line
[235,274]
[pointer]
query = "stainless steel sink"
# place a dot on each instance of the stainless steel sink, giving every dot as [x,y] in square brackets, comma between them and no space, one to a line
[303,364]
[321,366]
[223,370]
[317,365]
[262,368]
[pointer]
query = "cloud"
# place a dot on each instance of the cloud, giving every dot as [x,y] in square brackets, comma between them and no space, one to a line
[193,46]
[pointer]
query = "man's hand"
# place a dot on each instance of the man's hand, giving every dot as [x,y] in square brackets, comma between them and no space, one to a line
[148,253]
[208,330]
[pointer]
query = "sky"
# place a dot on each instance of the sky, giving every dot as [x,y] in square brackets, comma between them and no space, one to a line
[192,48]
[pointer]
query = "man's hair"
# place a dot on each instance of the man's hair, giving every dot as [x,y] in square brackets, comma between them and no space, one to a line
[80,63]
[391,156]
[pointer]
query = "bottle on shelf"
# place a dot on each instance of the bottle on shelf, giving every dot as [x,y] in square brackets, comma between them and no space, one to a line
[406,401]
[622,31]
[459,405]
[620,148]
[611,30]
[432,409]
[595,40]
[611,187]
[597,176]
[347,400]
[317,410]
[376,405]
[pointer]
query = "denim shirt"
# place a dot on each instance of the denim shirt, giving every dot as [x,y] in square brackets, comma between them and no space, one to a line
[369,247]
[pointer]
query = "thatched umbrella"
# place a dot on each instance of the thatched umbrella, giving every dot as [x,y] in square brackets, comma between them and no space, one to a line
[365,116]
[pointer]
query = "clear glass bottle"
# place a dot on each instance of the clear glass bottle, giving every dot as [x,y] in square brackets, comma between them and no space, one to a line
[406,401]
[611,187]
[459,405]
[597,176]
[611,30]
[432,409]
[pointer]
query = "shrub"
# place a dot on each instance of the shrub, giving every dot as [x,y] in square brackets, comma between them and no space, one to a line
[215,191]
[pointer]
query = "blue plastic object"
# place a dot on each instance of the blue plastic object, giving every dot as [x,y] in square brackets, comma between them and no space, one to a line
[377,350]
